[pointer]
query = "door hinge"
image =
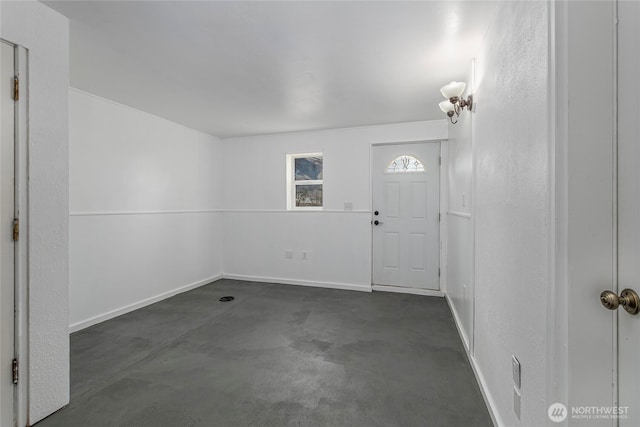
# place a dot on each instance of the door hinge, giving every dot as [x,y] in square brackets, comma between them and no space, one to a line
[440,161]
[16,88]
[16,229]
[438,272]
[14,369]
[439,217]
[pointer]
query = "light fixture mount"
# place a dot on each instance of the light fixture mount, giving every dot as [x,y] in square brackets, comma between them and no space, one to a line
[462,103]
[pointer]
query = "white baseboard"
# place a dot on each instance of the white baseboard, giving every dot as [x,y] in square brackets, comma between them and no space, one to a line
[484,390]
[148,301]
[329,285]
[403,290]
[458,323]
[488,399]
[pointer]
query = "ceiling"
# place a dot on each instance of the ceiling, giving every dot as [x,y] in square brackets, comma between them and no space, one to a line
[232,68]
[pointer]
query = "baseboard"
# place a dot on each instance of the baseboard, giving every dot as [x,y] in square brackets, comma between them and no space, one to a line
[145,302]
[329,285]
[403,290]
[458,323]
[488,400]
[484,390]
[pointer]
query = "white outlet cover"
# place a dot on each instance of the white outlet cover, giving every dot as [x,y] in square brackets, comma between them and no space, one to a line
[348,206]
[288,254]
[515,369]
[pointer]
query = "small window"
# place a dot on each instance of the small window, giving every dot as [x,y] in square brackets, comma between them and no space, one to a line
[404,164]
[304,181]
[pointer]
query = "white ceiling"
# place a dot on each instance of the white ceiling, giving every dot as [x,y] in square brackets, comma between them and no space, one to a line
[233,68]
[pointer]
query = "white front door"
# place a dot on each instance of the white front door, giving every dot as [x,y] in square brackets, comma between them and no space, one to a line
[629,206]
[7,114]
[405,220]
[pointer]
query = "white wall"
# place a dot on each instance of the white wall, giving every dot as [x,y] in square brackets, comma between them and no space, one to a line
[258,229]
[459,221]
[145,216]
[502,156]
[45,34]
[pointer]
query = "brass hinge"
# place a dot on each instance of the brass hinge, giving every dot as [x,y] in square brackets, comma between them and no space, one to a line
[14,369]
[16,229]
[16,88]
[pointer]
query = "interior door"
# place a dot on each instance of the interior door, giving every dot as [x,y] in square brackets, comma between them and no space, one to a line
[7,123]
[405,220]
[629,206]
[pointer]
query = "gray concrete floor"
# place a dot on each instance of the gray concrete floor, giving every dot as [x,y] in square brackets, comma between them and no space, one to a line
[276,356]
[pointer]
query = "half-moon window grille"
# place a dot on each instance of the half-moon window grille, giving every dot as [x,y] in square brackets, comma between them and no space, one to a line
[404,164]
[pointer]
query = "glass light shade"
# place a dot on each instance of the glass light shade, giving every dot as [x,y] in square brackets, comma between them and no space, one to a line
[453,89]
[446,106]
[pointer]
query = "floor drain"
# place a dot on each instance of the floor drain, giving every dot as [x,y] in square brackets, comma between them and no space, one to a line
[226,299]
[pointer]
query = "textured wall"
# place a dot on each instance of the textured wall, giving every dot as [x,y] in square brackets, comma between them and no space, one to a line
[459,220]
[258,229]
[510,136]
[45,33]
[145,196]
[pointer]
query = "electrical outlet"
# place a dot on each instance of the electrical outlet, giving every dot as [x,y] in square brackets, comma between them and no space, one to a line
[348,206]
[515,369]
[516,402]
[305,255]
[288,254]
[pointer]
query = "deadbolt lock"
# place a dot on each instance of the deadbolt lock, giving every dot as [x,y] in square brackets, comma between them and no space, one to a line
[628,299]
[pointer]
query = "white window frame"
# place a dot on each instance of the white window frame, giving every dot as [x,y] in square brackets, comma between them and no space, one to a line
[291,182]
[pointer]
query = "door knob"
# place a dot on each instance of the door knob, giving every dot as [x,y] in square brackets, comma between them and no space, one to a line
[628,299]
[376,222]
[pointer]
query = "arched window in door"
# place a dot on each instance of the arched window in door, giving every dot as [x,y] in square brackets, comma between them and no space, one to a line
[405,164]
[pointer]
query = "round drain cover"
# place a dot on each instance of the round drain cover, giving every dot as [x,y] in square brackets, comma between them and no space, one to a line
[226,299]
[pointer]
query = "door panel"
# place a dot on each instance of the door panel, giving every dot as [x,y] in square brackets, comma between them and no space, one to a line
[418,249]
[419,200]
[391,250]
[7,115]
[392,199]
[406,240]
[629,205]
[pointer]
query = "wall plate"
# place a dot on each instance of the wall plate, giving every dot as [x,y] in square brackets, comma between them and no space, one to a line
[515,368]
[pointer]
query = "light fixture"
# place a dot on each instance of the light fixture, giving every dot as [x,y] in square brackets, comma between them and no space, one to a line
[454,104]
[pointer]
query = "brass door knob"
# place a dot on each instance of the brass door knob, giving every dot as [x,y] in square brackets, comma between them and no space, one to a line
[628,299]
